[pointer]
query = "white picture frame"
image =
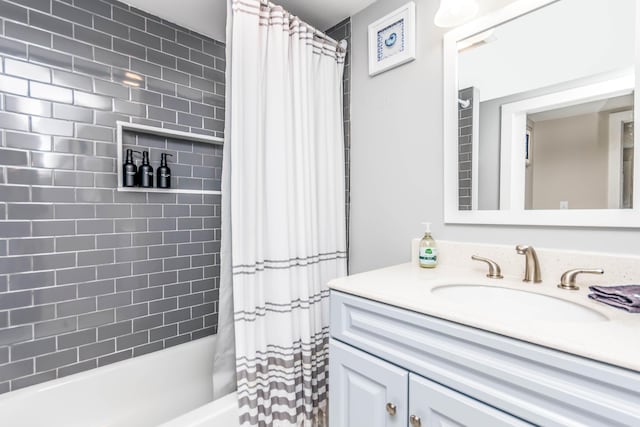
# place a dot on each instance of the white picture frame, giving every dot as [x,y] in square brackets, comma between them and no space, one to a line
[392,39]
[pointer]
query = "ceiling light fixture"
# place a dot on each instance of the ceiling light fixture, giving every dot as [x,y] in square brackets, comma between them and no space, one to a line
[455,12]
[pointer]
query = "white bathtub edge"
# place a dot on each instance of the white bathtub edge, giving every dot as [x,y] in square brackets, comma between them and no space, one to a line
[222,411]
[140,391]
[109,369]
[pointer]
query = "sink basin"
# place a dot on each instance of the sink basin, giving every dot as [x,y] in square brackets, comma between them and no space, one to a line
[513,304]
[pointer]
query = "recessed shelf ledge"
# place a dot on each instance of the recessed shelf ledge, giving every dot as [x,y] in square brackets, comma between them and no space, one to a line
[167,133]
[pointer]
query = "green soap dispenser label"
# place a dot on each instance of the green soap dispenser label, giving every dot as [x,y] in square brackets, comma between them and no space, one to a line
[428,256]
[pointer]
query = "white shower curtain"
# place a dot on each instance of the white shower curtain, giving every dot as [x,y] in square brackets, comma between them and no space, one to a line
[285,143]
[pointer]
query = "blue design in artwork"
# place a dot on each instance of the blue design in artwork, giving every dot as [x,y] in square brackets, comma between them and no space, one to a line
[390,41]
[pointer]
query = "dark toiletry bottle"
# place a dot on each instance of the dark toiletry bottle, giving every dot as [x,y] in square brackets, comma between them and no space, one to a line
[129,170]
[164,173]
[145,171]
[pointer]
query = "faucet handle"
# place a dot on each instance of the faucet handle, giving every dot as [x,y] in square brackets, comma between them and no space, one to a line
[568,279]
[494,268]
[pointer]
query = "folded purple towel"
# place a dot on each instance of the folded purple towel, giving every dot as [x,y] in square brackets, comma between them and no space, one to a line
[626,297]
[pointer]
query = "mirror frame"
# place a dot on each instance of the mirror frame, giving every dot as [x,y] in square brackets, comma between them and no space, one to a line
[613,218]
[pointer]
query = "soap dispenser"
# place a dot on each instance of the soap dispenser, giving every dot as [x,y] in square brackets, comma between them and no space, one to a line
[145,172]
[129,170]
[428,249]
[164,173]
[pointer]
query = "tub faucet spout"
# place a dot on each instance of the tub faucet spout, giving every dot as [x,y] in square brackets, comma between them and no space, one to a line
[532,265]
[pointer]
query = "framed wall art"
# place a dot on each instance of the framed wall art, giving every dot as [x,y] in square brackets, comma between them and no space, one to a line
[392,39]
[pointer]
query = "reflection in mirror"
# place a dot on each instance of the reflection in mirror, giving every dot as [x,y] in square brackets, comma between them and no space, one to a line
[467,144]
[572,161]
[580,157]
[628,149]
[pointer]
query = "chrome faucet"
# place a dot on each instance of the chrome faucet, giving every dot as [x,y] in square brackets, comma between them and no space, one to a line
[532,266]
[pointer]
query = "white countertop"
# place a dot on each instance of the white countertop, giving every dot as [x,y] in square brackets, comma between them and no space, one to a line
[615,341]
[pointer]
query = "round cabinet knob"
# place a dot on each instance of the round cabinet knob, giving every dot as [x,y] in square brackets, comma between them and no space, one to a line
[391,409]
[414,420]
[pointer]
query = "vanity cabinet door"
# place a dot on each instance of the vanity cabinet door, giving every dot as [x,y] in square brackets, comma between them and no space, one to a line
[433,405]
[365,391]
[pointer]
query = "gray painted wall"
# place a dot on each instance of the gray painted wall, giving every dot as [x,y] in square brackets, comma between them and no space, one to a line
[89,275]
[489,152]
[396,158]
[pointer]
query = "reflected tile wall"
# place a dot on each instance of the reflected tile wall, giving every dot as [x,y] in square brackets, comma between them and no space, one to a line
[465,145]
[88,275]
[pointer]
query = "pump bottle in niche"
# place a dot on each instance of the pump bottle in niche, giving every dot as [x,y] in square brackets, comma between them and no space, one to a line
[145,172]
[129,170]
[164,173]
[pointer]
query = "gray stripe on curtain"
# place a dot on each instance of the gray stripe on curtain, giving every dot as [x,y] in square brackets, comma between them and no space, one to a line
[250,316]
[295,262]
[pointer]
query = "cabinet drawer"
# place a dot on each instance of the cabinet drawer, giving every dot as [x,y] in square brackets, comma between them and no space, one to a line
[540,385]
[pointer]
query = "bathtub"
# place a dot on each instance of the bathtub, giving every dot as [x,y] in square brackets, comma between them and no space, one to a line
[170,387]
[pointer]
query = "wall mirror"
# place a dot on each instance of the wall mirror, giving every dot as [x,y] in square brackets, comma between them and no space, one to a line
[539,107]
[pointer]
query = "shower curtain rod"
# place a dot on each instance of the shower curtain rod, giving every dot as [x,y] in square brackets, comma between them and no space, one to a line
[316,32]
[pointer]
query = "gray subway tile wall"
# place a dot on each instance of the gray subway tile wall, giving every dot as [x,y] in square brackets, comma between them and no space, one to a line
[342,31]
[89,275]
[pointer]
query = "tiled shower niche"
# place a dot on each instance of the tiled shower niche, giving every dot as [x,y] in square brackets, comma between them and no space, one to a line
[195,166]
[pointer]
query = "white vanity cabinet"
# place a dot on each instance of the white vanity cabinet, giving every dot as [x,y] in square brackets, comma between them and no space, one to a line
[392,367]
[369,392]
